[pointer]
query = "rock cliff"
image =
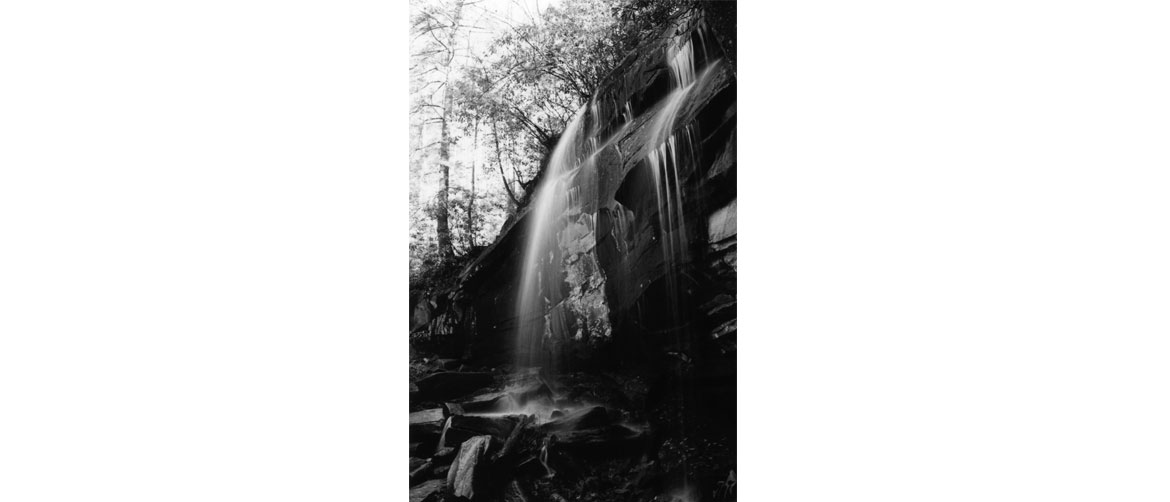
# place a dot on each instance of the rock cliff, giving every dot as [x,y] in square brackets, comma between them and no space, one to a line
[622,294]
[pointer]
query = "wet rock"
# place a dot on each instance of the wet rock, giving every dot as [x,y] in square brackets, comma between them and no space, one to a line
[421,473]
[450,384]
[498,427]
[465,427]
[722,223]
[425,448]
[581,388]
[462,475]
[420,316]
[725,336]
[430,491]
[531,467]
[515,493]
[427,419]
[487,403]
[425,429]
[447,364]
[510,444]
[453,409]
[608,439]
[444,454]
[719,304]
[532,393]
[584,418]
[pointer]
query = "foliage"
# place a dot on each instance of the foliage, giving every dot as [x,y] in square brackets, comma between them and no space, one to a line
[490,94]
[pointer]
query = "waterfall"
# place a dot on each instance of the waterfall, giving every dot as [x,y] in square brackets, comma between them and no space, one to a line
[664,141]
[670,153]
[539,270]
[673,155]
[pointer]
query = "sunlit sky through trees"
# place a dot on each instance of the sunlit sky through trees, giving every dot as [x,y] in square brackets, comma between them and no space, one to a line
[504,75]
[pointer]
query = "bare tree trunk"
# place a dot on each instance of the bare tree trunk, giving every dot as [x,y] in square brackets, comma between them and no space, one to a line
[442,222]
[500,164]
[442,219]
[471,199]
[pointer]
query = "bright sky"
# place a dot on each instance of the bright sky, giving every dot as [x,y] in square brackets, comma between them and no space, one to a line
[488,15]
[520,9]
[483,13]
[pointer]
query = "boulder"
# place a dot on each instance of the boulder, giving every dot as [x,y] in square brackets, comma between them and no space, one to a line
[426,428]
[487,403]
[465,427]
[430,491]
[520,391]
[721,224]
[532,393]
[426,422]
[462,475]
[515,493]
[421,473]
[447,364]
[451,384]
[607,440]
[453,409]
[584,418]
[422,449]
[513,438]
[427,416]
[531,467]
[444,455]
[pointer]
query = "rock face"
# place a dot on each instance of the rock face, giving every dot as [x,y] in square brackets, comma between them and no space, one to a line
[621,290]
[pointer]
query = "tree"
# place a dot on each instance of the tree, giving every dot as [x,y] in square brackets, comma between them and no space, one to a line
[437,55]
[492,91]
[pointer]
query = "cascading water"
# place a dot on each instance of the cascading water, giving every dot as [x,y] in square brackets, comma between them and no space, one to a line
[541,328]
[672,156]
[672,152]
[538,284]
[541,320]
